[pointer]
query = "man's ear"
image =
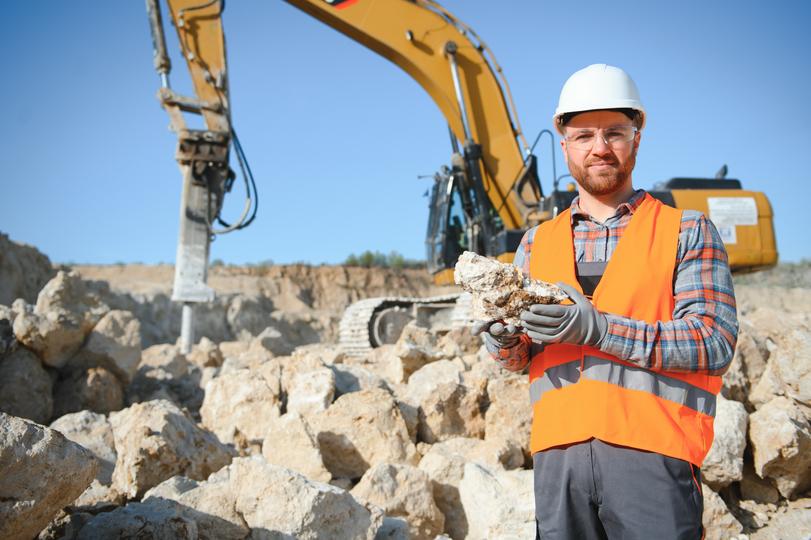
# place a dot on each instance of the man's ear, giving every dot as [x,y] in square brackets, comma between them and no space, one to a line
[563,149]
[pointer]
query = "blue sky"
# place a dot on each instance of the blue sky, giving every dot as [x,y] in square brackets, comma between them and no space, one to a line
[337,136]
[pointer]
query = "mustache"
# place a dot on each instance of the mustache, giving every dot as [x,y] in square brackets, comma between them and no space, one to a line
[590,162]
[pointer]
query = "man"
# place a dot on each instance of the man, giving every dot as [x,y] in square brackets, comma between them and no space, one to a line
[623,379]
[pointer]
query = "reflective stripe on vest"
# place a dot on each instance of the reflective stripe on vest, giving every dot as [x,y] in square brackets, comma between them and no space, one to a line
[580,392]
[629,377]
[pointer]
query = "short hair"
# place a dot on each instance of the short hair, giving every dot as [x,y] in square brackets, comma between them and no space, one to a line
[632,114]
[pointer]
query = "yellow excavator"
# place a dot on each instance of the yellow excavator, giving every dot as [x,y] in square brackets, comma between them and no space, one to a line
[483,201]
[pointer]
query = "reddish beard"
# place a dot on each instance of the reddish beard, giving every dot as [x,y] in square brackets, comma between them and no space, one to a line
[605,181]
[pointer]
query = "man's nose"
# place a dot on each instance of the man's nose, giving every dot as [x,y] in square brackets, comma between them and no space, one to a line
[600,146]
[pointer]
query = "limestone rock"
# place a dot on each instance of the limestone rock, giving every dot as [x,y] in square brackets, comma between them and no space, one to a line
[143,520]
[792,360]
[500,291]
[498,504]
[25,387]
[99,497]
[360,430]
[92,431]
[352,378]
[65,526]
[724,462]
[445,465]
[746,367]
[755,488]
[252,498]
[423,382]
[311,392]
[415,348]
[781,443]
[718,521]
[768,387]
[42,471]
[458,342]
[452,410]
[115,344]
[94,389]
[156,440]
[509,416]
[291,443]
[249,316]
[23,271]
[206,354]
[240,405]
[165,357]
[64,314]
[403,491]
[164,373]
[795,522]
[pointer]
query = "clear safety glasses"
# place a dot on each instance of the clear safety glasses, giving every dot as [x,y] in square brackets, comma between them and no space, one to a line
[615,137]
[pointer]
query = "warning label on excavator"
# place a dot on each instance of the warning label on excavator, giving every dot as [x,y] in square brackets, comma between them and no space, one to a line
[728,212]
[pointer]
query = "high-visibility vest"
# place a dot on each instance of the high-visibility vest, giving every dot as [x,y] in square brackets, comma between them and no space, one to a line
[579,392]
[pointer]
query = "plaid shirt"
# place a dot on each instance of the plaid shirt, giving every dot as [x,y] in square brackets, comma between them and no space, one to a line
[702,335]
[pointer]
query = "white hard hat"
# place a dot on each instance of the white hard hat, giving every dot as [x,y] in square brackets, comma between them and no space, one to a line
[598,86]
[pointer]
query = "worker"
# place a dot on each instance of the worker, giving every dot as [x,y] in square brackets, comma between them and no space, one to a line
[624,377]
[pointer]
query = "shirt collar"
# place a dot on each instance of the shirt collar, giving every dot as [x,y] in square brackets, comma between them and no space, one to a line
[628,206]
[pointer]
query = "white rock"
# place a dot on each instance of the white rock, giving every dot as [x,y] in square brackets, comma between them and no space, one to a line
[794,523]
[402,491]
[64,314]
[95,389]
[42,472]
[423,382]
[445,465]
[114,344]
[25,387]
[360,430]
[156,440]
[252,498]
[92,431]
[509,416]
[724,462]
[352,378]
[162,519]
[781,444]
[792,361]
[239,406]
[311,392]
[719,523]
[500,290]
[498,504]
[206,354]
[291,443]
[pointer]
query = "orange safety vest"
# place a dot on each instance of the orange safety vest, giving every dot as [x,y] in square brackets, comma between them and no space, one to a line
[579,392]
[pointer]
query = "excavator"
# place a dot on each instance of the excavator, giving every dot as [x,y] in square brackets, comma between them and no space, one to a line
[483,200]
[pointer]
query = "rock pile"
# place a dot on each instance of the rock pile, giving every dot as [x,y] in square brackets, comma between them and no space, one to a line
[423,439]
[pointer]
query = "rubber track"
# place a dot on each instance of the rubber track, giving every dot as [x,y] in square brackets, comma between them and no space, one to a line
[354,330]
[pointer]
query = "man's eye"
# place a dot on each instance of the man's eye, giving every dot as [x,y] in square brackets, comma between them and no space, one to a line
[584,137]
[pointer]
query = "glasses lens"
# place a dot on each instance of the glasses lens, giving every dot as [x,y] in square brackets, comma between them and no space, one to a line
[615,137]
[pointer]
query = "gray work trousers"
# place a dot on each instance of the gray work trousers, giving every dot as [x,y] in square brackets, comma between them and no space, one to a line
[596,491]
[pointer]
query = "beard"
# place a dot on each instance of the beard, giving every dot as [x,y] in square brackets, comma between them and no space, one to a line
[606,181]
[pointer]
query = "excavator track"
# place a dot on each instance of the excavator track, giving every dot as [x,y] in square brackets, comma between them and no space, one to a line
[356,333]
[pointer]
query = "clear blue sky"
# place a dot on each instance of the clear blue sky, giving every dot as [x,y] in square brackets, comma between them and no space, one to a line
[336,135]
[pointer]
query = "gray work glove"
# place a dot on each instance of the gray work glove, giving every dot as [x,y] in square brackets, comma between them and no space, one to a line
[496,333]
[577,324]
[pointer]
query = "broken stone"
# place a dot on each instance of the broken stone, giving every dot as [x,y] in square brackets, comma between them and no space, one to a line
[291,443]
[94,389]
[718,521]
[92,431]
[724,462]
[65,312]
[795,522]
[42,472]
[24,270]
[360,430]
[25,387]
[252,498]
[497,503]
[403,491]
[114,344]
[509,416]
[156,440]
[311,392]
[353,378]
[781,444]
[445,464]
[755,488]
[206,354]
[239,406]
[500,291]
